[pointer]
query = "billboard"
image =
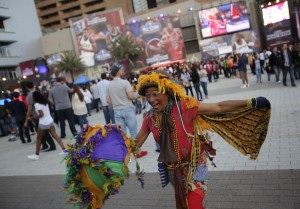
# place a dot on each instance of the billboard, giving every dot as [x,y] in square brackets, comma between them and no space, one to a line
[277,24]
[237,43]
[224,19]
[276,13]
[94,34]
[159,38]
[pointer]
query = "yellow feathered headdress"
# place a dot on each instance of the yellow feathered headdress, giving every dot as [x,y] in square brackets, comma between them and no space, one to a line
[166,85]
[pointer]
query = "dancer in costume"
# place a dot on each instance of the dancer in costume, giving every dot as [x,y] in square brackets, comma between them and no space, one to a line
[179,123]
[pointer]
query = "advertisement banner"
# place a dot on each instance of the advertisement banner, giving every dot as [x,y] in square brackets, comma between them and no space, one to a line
[224,19]
[94,34]
[237,43]
[278,33]
[159,38]
[27,68]
[277,24]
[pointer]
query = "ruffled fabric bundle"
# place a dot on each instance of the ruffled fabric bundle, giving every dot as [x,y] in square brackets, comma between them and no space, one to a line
[97,165]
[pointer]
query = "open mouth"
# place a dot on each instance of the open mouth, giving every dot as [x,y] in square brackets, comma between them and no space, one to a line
[155,106]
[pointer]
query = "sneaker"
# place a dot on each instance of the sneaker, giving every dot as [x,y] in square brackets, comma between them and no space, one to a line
[243,86]
[141,154]
[278,81]
[64,152]
[248,85]
[33,157]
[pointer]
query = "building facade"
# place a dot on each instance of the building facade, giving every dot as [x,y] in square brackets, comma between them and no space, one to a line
[20,35]
[55,14]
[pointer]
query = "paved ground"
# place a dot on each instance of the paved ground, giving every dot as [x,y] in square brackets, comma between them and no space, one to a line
[271,181]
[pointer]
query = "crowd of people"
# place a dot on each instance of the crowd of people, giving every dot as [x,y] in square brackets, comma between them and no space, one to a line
[171,97]
[74,103]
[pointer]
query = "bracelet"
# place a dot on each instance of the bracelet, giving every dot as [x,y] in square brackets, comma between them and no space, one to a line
[252,103]
[249,103]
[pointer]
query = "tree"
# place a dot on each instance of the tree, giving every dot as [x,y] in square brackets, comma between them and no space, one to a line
[125,50]
[70,63]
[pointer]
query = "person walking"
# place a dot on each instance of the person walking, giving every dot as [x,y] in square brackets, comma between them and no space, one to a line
[195,78]
[59,96]
[88,98]
[257,69]
[242,67]
[18,110]
[186,77]
[107,109]
[287,63]
[96,95]
[47,141]
[79,106]
[275,64]
[45,123]
[203,80]
[120,96]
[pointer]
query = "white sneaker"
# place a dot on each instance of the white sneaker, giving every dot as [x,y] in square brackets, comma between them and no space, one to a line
[278,81]
[243,86]
[33,157]
[248,85]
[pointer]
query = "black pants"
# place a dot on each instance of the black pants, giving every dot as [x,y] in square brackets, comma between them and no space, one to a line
[62,116]
[47,140]
[21,128]
[198,91]
[96,104]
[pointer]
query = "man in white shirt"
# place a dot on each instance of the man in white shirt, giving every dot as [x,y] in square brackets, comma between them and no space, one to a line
[96,95]
[108,111]
[120,96]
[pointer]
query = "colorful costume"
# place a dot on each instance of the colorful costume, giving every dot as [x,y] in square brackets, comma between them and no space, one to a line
[94,172]
[184,143]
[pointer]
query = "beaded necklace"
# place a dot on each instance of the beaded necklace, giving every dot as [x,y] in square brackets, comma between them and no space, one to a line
[170,165]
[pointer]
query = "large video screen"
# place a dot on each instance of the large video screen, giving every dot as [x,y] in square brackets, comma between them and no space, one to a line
[276,13]
[224,19]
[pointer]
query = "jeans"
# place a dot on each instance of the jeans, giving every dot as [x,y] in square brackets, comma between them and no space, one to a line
[289,70]
[127,118]
[188,88]
[204,87]
[82,119]
[198,91]
[138,106]
[276,70]
[62,116]
[258,73]
[108,114]
[89,107]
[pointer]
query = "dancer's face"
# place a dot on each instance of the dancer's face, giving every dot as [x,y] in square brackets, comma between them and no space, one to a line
[157,100]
